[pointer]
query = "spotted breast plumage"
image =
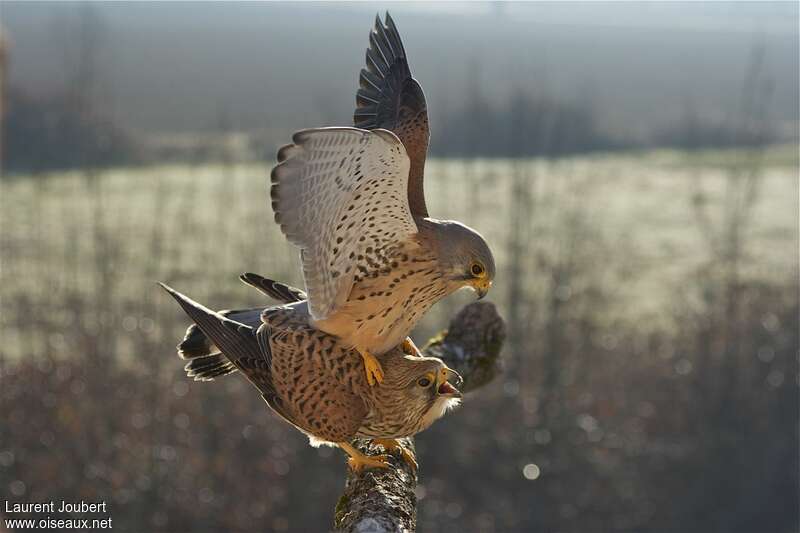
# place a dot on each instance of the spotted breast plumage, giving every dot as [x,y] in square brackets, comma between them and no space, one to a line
[352,200]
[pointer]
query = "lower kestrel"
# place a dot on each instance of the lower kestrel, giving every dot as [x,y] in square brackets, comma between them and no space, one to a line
[317,384]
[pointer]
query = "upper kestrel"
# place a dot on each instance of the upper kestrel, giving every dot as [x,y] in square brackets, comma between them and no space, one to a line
[352,199]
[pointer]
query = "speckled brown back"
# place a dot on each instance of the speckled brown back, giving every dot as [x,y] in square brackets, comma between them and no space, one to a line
[316,380]
[321,387]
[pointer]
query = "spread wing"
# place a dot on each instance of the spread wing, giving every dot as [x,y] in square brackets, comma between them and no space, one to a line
[340,195]
[389,98]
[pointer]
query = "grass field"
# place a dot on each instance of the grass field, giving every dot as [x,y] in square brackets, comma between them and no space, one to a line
[651,368]
[199,227]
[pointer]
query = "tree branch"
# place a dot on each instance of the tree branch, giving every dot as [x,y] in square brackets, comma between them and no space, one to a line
[378,501]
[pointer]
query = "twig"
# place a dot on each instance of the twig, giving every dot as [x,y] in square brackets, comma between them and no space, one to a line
[378,501]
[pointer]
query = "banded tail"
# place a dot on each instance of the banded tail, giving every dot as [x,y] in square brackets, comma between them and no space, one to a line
[238,343]
[205,362]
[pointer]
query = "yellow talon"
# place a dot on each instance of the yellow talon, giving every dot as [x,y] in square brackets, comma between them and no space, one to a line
[372,367]
[358,461]
[368,461]
[392,445]
[409,348]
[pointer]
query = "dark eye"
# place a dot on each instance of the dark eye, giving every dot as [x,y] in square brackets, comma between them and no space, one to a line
[476,269]
[423,382]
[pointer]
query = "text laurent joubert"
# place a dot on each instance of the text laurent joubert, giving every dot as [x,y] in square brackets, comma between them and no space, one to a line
[50,507]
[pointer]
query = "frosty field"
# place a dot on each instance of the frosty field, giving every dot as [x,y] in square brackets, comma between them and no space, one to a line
[68,237]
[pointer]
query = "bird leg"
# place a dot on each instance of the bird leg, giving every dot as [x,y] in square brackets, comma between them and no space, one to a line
[372,367]
[358,461]
[409,348]
[394,444]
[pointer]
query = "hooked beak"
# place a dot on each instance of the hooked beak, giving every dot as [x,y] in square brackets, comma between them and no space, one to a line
[444,387]
[482,287]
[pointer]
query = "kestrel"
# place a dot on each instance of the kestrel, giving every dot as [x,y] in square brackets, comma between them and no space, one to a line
[352,200]
[317,384]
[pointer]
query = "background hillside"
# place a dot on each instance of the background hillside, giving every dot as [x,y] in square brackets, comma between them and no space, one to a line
[615,75]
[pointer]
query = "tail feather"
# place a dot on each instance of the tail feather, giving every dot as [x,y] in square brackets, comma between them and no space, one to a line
[196,344]
[235,340]
[205,362]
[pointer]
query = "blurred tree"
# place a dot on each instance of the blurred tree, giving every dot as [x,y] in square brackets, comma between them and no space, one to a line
[67,129]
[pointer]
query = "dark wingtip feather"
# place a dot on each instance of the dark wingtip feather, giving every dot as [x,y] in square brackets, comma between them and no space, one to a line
[209,367]
[248,277]
[383,78]
[366,97]
[235,340]
[376,62]
[194,344]
[394,37]
[274,289]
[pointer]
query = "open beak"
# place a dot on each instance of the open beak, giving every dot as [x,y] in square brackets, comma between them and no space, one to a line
[444,387]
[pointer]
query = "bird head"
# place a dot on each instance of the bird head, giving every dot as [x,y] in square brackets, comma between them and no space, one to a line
[425,385]
[465,257]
